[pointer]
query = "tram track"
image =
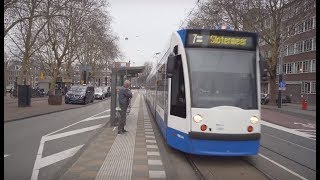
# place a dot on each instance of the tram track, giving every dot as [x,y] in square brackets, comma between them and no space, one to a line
[223,168]
[279,166]
[288,158]
[194,167]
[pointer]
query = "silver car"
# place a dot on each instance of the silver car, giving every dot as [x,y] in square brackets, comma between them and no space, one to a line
[98,93]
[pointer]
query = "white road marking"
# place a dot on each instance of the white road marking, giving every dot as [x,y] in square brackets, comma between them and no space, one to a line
[69,133]
[157,174]
[152,137]
[312,130]
[154,162]
[294,173]
[152,146]
[6,155]
[292,131]
[309,125]
[290,142]
[74,123]
[151,141]
[153,153]
[95,118]
[100,113]
[35,172]
[46,161]
[39,162]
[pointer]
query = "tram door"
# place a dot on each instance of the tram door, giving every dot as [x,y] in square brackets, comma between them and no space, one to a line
[178,96]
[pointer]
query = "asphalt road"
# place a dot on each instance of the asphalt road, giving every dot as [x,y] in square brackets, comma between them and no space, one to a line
[22,140]
[285,154]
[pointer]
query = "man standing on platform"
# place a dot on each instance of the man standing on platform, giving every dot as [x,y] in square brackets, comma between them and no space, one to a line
[124,99]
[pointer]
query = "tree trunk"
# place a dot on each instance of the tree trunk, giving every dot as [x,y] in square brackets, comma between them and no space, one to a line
[273,90]
[5,77]
[53,83]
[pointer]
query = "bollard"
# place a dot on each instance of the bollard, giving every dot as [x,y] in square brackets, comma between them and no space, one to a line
[304,104]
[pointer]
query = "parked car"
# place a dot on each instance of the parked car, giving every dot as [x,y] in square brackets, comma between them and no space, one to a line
[80,94]
[37,92]
[9,87]
[285,99]
[98,93]
[264,98]
[107,90]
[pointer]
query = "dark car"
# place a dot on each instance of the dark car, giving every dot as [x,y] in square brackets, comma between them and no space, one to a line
[285,99]
[80,94]
[107,91]
[264,98]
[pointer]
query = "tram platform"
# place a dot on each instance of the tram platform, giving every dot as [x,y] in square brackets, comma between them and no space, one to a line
[133,155]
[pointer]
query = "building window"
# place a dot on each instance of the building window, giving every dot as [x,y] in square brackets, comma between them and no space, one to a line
[305,88]
[277,69]
[314,23]
[285,51]
[299,47]
[306,66]
[313,65]
[314,44]
[298,67]
[313,87]
[308,24]
[291,49]
[308,87]
[284,68]
[299,28]
[307,45]
[290,68]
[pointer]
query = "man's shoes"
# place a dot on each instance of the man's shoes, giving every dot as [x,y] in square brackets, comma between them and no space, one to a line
[124,131]
[120,132]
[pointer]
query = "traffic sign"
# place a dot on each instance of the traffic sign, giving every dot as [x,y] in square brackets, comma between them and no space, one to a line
[282,86]
[41,75]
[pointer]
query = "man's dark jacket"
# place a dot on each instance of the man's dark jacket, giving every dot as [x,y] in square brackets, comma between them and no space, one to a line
[124,97]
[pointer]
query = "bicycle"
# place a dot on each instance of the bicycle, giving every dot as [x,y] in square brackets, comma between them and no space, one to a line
[13,93]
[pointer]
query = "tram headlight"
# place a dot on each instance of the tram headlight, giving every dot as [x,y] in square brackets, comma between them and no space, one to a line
[254,119]
[197,118]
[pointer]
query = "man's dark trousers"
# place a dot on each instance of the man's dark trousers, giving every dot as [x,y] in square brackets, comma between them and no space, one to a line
[123,114]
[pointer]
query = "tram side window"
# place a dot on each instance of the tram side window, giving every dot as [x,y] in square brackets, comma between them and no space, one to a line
[178,97]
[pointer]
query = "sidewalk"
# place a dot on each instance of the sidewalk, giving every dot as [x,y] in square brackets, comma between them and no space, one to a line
[39,106]
[127,156]
[294,110]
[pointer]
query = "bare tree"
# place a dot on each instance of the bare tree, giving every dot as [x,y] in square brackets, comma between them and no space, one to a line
[272,19]
[147,69]
[26,33]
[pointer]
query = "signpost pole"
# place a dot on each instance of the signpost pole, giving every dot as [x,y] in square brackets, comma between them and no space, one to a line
[279,93]
[280,77]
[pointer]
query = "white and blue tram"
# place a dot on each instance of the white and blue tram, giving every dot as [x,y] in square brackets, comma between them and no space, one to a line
[204,92]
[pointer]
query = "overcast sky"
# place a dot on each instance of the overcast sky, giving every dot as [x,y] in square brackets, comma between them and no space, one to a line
[148,25]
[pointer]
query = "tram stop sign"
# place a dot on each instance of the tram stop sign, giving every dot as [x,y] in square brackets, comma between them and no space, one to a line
[282,86]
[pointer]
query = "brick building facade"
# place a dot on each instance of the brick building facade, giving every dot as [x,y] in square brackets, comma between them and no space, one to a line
[299,59]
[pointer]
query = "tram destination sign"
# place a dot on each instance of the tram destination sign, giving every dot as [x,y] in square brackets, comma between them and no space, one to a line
[221,39]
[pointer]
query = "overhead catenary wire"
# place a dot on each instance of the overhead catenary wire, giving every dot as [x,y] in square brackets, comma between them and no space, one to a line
[189,14]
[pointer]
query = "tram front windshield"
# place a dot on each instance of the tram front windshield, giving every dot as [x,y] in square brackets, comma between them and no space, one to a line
[222,77]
